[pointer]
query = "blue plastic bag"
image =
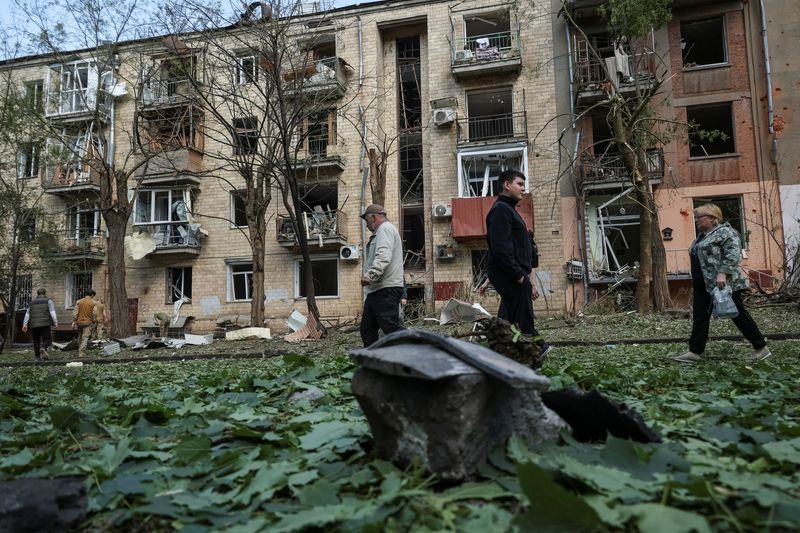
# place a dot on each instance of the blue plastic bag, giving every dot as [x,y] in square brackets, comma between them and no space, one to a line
[724,306]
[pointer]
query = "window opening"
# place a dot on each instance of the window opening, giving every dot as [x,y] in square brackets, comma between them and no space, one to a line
[481,170]
[325,273]
[320,132]
[34,95]
[240,281]
[410,83]
[78,283]
[165,214]
[487,34]
[732,212]
[29,161]
[490,115]
[711,130]
[246,69]
[703,42]
[411,173]
[413,229]
[246,136]
[614,223]
[238,211]
[27,230]
[179,283]
[24,291]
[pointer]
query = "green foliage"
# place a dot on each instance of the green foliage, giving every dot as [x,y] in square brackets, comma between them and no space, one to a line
[219,445]
[636,18]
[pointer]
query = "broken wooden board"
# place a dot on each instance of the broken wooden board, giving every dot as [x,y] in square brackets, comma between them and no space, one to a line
[419,361]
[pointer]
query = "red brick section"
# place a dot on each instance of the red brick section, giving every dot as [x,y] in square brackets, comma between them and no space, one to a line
[444,290]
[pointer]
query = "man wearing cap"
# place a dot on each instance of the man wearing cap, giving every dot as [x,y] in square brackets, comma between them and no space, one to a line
[40,317]
[384,276]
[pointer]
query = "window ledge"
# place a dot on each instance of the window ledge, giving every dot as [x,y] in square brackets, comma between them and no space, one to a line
[303,298]
[707,67]
[238,301]
[711,157]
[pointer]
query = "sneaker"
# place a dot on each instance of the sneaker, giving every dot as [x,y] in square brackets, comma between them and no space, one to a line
[688,357]
[760,355]
[44,354]
[546,349]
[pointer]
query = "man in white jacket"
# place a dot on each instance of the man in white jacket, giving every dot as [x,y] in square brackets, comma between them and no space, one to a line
[383,278]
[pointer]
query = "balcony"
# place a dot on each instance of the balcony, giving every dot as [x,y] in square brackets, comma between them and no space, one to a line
[181,166]
[610,169]
[628,74]
[173,237]
[325,230]
[320,156]
[469,216]
[324,79]
[72,178]
[492,129]
[158,94]
[483,55]
[84,244]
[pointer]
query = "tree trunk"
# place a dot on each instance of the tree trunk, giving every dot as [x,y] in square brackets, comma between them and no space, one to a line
[645,250]
[257,243]
[661,297]
[377,177]
[11,309]
[115,262]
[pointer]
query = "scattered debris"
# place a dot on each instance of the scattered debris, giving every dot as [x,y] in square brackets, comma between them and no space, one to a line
[244,333]
[502,338]
[31,504]
[111,348]
[198,340]
[72,364]
[461,311]
[139,245]
[311,394]
[296,320]
[309,331]
[70,346]
[130,342]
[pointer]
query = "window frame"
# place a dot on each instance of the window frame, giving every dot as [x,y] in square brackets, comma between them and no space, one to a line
[725,51]
[170,293]
[34,95]
[231,289]
[732,116]
[318,258]
[71,296]
[238,193]
[245,128]
[186,199]
[28,156]
[462,154]
[245,75]
[700,200]
[24,291]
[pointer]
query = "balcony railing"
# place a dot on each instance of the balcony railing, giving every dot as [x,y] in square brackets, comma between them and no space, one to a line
[324,78]
[490,53]
[493,128]
[590,74]
[157,93]
[173,236]
[321,227]
[77,103]
[81,244]
[184,163]
[72,177]
[612,169]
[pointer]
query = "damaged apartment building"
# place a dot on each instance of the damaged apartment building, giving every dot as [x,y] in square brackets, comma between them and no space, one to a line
[711,59]
[447,94]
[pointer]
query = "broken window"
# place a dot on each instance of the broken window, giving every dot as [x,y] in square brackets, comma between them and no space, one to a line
[413,233]
[246,69]
[613,226]
[179,283]
[24,291]
[83,221]
[480,170]
[165,214]
[238,213]
[246,136]
[710,129]
[325,271]
[732,212]
[324,194]
[319,132]
[487,35]
[703,42]
[410,83]
[28,161]
[78,283]
[411,169]
[490,115]
[34,95]
[174,132]
[27,230]
[240,281]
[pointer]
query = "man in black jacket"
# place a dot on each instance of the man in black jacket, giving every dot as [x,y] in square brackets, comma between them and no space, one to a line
[512,258]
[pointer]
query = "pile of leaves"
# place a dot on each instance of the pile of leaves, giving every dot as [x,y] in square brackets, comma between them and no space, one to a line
[280,444]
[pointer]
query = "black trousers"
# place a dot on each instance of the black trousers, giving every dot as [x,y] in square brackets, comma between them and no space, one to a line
[41,339]
[516,305]
[702,306]
[381,311]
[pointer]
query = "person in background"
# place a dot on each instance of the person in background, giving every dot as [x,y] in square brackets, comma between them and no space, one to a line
[162,320]
[40,317]
[512,258]
[83,320]
[100,319]
[716,256]
[383,278]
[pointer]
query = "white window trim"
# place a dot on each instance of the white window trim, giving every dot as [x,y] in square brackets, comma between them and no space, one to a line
[324,257]
[241,76]
[231,296]
[186,198]
[168,295]
[25,150]
[483,151]
[70,285]
[78,210]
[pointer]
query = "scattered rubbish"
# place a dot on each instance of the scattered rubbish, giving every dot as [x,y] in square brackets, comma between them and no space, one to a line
[73,364]
[244,333]
[458,311]
[198,340]
[309,331]
[132,341]
[139,245]
[149,344]
[111,348]
[296,320]
[311,394]
[611,346]
[66,346]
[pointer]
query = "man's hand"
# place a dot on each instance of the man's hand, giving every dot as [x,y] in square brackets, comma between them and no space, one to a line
[534,292]
[403,301]
[365,281]
[722,280]
[24,329]
[484,286]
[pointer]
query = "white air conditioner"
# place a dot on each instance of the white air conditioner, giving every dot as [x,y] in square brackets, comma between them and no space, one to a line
[350,252]
[442,211]
[444,116]
[444,252]
[463,55]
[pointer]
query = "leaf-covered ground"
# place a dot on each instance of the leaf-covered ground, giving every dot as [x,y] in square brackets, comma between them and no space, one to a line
[220,445]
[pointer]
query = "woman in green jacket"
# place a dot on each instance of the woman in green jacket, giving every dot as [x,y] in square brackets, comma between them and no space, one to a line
[715,256]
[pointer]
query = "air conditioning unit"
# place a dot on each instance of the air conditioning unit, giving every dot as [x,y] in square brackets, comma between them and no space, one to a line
[463,55]
[444,252]
[444,116]
[442,211]
[350,253]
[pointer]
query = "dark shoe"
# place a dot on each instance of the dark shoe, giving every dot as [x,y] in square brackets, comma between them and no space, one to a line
[546,349]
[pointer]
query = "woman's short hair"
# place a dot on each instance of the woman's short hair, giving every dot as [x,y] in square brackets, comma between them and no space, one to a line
[711,210]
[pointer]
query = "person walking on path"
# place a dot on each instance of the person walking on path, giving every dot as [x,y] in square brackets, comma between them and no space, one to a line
[716,256]
[512,258]
[83,320]
[383,278]
[40,317]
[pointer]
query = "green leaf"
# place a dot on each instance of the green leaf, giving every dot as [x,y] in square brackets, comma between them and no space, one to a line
[325,433]
[785,451]
[474,491]
[266,482]
[192,449]
[66,418]
[552,507]
[321,492]
[21,458]
[657,518]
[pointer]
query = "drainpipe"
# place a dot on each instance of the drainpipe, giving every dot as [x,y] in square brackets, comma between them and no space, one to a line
[571,78]
[360,54]
[581,229]
[768,72]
